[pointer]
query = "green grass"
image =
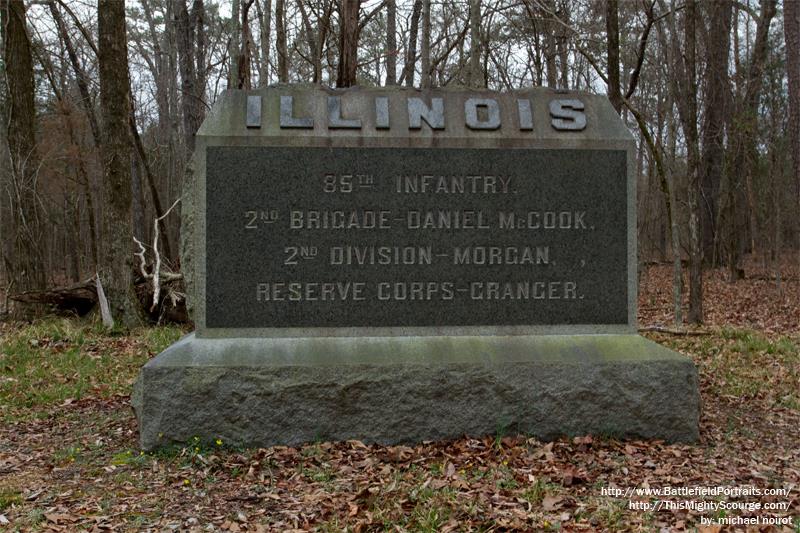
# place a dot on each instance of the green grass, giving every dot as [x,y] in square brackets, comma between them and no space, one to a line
[69,454]
[537,490]
[57,359]
[129,457]
[612,514]
[50,361]
[744,364]
[9,497]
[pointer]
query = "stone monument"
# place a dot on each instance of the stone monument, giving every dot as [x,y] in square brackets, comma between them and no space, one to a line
[395,265]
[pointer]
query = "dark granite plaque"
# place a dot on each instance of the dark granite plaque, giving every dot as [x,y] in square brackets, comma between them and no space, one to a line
[353,237]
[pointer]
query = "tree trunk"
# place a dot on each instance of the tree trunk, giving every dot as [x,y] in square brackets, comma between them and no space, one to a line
[160,74]
[562,43]
[411,56]
[682,82]
[191,94]
[82,179]
[234,45]
[280,41]
[315,51]
[117,260]
[668,191]
[21,223]
[265,22]
[717,99]
[191,47]
[391,42]
[348,43]
[476,78]
[243,77]
[138,147]
[139,230]
[612,47]
[685,81]
[743,151]
[199,21]
[791,28]
[73,229]
[176,155]
[694,193]
[81,78]
[425,47]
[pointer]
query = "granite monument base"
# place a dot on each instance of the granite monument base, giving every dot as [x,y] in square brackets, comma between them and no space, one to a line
[388,390]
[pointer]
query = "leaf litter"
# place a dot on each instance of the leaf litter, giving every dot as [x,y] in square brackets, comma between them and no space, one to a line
[73,465]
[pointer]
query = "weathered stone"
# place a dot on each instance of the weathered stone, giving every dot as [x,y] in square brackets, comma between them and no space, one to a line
[261,392]
[273,363]
[523,252]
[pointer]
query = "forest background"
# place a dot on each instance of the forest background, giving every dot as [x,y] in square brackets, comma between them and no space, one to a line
[101,102]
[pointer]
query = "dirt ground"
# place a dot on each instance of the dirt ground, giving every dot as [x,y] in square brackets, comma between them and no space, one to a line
[69,461]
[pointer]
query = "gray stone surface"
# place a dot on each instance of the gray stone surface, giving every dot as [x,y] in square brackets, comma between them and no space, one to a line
[391,371]
[567,246]
[261,392]
[603,132]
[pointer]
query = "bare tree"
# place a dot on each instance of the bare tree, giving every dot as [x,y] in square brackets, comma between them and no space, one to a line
[717,98]
[280,41]
[159,67]
[192,104]
[391,42]
[731,134]
[683,84]
[791,28]
[200,52]
[234,45]
[117,260]
[612,53]
[562,42]
[476,78]
[425,48]
[742,151]
[243,80]
[22,213]
[411,55]
[316,36]
[657,157]
[265,23]
[348,43]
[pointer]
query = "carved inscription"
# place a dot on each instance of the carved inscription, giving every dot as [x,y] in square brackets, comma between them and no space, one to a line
[317,237]
[566,114]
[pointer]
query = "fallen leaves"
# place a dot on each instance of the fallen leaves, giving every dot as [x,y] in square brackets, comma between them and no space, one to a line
[755,302]
[552,503]
[513,484]
[72,464]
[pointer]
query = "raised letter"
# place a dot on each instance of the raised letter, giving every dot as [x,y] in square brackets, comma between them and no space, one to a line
[567,115]
[419,111]
[287,118]
[253,111]
[525,115]
[335,119]
[382,113]
[492,121]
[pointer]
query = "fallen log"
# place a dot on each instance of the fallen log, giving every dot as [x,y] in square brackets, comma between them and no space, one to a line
[81,298]
[679,332]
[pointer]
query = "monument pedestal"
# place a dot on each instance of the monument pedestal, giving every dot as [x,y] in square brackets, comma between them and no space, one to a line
[387,390]
[394,265]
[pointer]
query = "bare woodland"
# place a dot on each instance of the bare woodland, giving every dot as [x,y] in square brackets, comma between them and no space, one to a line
[101,100]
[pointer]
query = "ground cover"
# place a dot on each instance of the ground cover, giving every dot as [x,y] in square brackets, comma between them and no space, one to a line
[69,461]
